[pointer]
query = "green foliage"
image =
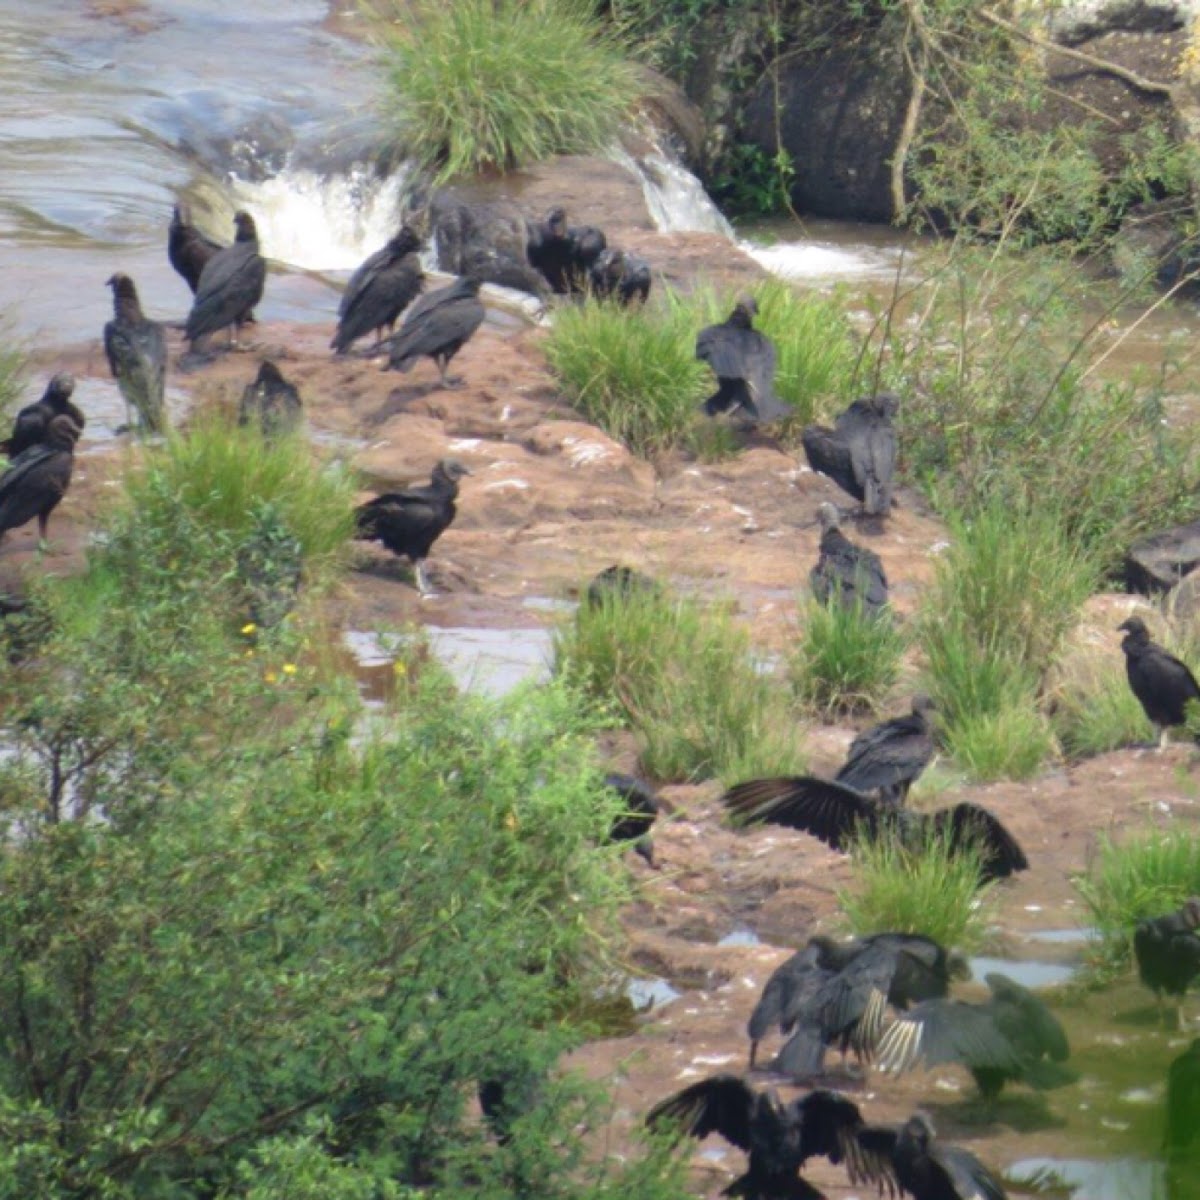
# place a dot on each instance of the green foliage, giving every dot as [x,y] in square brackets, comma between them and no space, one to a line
[1094,709]
[635,372]
[845,659]
[217,490]
[931,891]
[13,372]
[495,84]
[1148,875]
[1005,594]
[683,677]
[752,182]
[998,363]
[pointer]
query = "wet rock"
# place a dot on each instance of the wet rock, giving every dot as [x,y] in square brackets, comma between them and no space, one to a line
[1158,562]
[1075,23]
[1183,600]
[1153,241]
[484,239]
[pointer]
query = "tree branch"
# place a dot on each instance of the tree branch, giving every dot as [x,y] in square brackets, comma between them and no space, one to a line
[1139,82]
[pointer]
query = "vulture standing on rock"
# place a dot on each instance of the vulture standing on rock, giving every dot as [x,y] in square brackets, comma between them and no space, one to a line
[743,360]
[847,574]
[438,327]
[838,814]
[564,255]
[778,1138]
[912,1158]
[859,452]
[29,429]
[1167,950]
[617,274]
[136,348]
[1162,683]
[889,757]
[835,993]
[409,522]
[230,285]
[38,478]
[379,291]
[187,248]
[1012,1036]
[271,402]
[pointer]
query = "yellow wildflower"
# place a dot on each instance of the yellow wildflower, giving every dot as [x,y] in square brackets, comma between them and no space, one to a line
[249,628]
[270,677]
[289,668]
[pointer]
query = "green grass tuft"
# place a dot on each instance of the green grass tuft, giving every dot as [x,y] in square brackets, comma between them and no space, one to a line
[934,892]
[844,660]
[1144,876]
[1094,709]
[493,84]
[683,677]
[635,373]
[1010,742]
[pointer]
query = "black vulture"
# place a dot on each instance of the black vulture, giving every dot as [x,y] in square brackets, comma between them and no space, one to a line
[913,1158]
[409,522]
[506,1097]
[837,814]
[1183,1102]
[1167,950]
[29,429]
[37,479]
[379,291]
[641,809]
[136,348]
[1162,683]
[231,284]
[271,402]
[187,248]
[838,996]
[437,327]
[1011,1036]
[619,275]
[743,360]
[859,452]
[618,583]
[847,574]
[564,255]
[778,1138]
[890,756]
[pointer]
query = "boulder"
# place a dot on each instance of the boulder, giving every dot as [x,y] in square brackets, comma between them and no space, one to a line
[1085,19]
[1154,241]
[486,239]
[1158,562]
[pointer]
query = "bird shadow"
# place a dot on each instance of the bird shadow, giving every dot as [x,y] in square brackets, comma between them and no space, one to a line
[405,399]
[392,569]
[1145,1016]
[1029,1113]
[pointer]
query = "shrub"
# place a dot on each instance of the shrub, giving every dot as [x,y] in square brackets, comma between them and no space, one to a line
[997,361]
[1144,876]
[1010,742]
[683,677]
[1093,709]
[844,659]
[482,84]
[932,891]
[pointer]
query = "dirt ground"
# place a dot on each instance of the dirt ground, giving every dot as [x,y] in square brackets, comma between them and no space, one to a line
[551,501]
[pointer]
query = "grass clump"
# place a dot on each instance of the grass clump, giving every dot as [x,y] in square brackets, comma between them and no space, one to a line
[1004,596]
[636,375]
[494,84]
[683,677]
[1144,876]
[932,889]
[1093,708]
[633,372]
[846,659]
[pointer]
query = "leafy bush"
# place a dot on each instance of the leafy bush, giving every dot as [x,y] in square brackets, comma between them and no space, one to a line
[1144,876]
[482,84]
[932,891]
[998,363]
[683,677]
[844,659]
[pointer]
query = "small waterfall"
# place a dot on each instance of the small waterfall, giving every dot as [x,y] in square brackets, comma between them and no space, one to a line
[325,222]
[676,199]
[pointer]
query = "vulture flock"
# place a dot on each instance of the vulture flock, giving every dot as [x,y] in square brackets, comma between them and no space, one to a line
[886,998]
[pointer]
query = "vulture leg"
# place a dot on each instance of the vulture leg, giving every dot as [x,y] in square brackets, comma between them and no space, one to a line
[645,848]
[1162,737]
[422,580]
